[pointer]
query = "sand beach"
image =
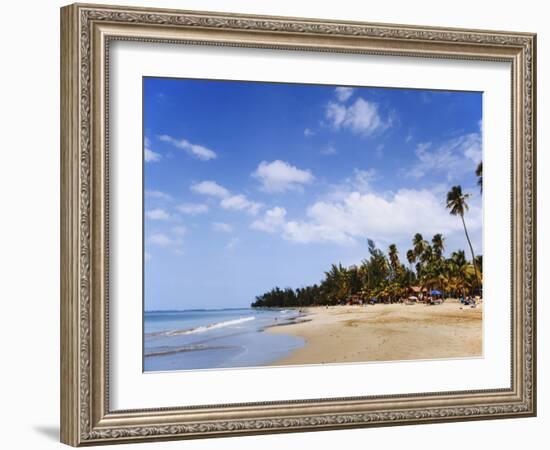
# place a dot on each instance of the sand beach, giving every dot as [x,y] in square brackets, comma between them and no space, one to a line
[385,332]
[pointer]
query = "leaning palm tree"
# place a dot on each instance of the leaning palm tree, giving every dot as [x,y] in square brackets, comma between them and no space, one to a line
[456,203]
[479,175]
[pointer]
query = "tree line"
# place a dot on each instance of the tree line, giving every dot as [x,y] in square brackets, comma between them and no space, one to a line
[382,277]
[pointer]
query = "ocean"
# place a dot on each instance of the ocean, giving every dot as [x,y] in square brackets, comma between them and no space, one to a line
[221,338]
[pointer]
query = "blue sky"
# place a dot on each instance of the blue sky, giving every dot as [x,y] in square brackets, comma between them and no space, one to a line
[248,186]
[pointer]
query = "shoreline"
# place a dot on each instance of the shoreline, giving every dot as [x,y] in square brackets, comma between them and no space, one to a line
[384,332]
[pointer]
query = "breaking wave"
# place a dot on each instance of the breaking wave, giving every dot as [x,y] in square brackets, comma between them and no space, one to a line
[188,348]
[202,329]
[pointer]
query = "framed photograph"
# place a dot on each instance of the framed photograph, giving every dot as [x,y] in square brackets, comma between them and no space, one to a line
[276,224]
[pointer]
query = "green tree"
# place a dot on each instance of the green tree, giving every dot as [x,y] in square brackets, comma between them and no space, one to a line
[336,284]
[456,203]
[419,249]
[419,245]
[479,175]
[395,264]
[411,257]
[427,255]
[438,245]
[462,271]
[479,263]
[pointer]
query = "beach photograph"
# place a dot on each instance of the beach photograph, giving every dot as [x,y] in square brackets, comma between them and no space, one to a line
[289,224]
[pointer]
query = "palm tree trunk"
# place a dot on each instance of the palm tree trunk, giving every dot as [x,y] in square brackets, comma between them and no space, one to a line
[471,250]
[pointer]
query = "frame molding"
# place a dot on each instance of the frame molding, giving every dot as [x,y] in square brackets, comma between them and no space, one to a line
[86,31]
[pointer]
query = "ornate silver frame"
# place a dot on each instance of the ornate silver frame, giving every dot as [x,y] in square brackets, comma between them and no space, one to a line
[86,31]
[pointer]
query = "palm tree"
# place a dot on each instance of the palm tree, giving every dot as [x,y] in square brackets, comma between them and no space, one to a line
[438,242]
[354,279]
[458,258]
[479,263]
[340,283]
[479,175]
[456,203]
[419,245]
[393,255]
[462,270]
[427,255]
[411,257]
[455,268]
[433,276]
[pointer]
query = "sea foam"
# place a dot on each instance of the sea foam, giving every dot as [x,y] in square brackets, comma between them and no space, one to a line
[203,329]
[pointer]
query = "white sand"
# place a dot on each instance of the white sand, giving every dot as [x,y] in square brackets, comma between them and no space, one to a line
[385,333]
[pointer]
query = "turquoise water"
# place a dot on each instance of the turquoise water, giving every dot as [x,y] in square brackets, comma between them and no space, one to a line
[208,339]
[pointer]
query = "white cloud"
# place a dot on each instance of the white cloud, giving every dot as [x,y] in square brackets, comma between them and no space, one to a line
[385,217]
[198,151]
[162,240]
[239,203]
[343,93]
[147,256]
[158,195]
[308,132]
[455,157]
[471,145]
[361,181]
[222,227]
[280,176]
[172,242]
[361,117]
[210,188]
[336,114]
[403,213]
[151,156]
[157,214]
[273,220]
[192,209]
[308,232]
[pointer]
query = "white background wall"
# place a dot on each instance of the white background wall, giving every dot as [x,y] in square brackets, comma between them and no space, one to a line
[29,224]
